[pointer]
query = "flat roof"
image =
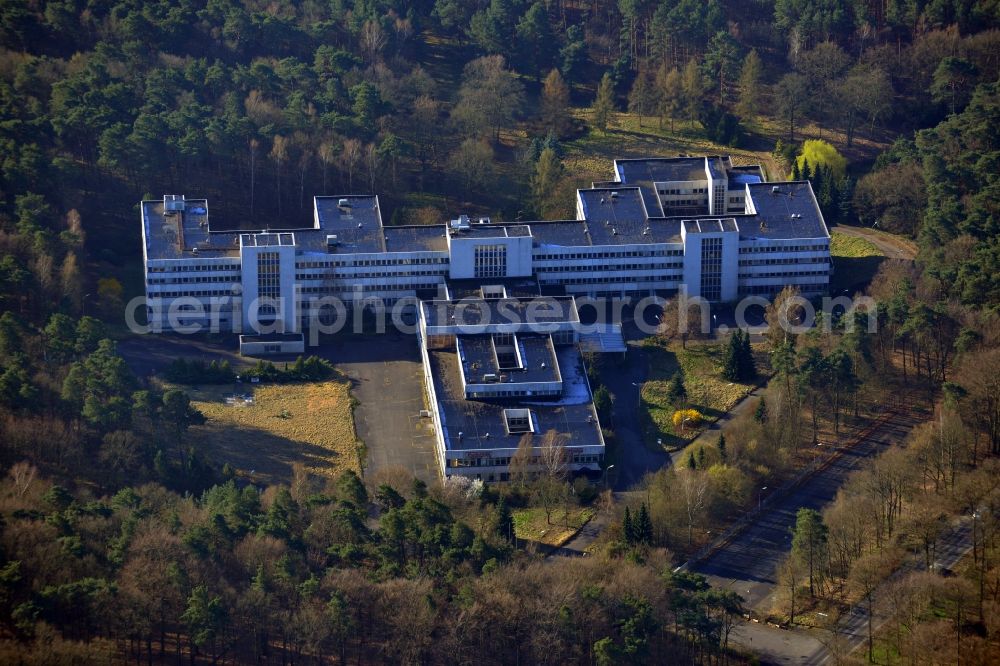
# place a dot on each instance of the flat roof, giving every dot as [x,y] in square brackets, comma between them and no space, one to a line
[537,354]
[661,169]
[623,219]
[561,232]
[743,175]
[169,236]
[526,287]
[358,227]
[267,239]
[473,312]
[491,230]
[482,424]
[710,225]
[430,238]
[783,211]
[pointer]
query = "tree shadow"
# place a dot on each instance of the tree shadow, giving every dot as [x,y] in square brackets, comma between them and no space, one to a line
[853,273]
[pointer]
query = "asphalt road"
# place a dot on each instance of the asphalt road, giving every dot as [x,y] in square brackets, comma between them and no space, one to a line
[387,380]
[634,458]
[748,563]
[853,628]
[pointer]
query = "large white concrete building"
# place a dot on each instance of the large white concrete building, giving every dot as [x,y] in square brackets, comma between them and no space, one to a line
[719,230]
[660,225]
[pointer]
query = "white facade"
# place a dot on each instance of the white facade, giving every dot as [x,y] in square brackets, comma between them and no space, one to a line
[766,236]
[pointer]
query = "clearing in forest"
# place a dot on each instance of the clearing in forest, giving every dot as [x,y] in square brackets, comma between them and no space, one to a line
[281,425]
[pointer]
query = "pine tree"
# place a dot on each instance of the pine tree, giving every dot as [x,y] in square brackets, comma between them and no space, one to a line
[160,466]
[730,360]
[760,415]
[747,365]
[828,194]
[796,174]
[691,462]
[817,179]
[555,104]
[628,529]
[676,392]
[505,521]
[806,173]
[644,526]
[604,104]
[693,85]
[845,199]
[749,85]
[722,447]
[701,457]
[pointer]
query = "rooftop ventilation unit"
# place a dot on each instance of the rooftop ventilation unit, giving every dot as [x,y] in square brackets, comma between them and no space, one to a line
[344,203]
[775,189]
[359,225]
[332,240]
[484,220]
[173,202]
[461,224]
[614,195]
[763,225]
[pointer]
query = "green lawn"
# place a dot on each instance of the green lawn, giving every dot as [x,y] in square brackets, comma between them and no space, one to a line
[707,390]
[855,261]
[531,525]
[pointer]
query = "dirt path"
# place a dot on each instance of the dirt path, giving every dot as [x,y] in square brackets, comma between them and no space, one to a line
[893,246]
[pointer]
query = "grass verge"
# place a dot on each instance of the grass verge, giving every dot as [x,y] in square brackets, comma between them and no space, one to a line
[530,524]
[855,261]
[707,391]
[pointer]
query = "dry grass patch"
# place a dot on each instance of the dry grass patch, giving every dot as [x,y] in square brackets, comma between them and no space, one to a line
[310,423]
[707,390]
[531,525]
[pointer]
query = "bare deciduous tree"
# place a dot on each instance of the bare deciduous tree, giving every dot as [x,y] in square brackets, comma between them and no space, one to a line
[22,474]
[694,487]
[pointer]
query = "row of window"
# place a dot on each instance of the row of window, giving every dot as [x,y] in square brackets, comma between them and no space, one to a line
[490,261]
[339,289]
[181,294]
[231,279]
[609,267]
[372,274]
[608,255]
[193,267]
[512,394]
[340,263]
[770,262]
[581,459]
[784,248]
[606,280]
[694,190]
[782,274]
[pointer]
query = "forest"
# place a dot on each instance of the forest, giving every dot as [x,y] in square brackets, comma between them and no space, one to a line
[120,541]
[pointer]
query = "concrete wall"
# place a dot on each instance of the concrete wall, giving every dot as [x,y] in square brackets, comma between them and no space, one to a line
[287,316]
[730,262]
[249,347]
[462,250]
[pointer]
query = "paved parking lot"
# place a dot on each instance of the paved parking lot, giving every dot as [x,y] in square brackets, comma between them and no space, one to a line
[386,378]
